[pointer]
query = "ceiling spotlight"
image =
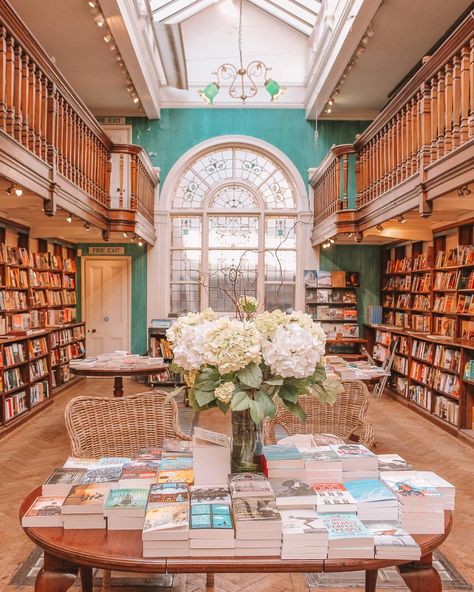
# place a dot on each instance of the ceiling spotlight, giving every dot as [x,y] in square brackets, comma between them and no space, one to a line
[69,218]
[132,239]
[99,21]
[87,226]
[140,243]
[379,227]
[92,4]
[331,102]
[401,219]
[331,240]
[15,191]
[125,234]
[135,100]
[328,110]
[108,38]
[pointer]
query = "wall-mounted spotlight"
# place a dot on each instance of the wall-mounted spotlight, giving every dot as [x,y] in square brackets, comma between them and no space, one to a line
[87,226]
[125,234]
[69,218]
[401,219]
[379,227]
[140,242]
[14,191]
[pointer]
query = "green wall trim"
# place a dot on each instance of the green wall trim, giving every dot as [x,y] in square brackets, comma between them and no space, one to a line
[366,259]
[138,324]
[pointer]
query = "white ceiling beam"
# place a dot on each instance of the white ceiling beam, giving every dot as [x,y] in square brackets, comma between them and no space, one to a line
[293,8]
[285,17]
[171,8]
[183,14]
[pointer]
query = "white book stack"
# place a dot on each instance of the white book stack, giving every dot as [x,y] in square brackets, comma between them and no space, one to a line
[166,531]
[421,507]
[293,493]
[283,462]
[257,527]
[374,500]
[211,457]
[358,462]
[83,508]
[304,535]
[392,542]
[426,478]
[333,498]
[348,537]
[322,465]
[211,527]
[125,508]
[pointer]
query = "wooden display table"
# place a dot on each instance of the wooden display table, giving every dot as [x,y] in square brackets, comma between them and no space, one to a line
[66,552]
[99,371]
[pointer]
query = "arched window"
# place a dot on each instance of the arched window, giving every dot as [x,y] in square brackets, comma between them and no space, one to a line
[233,226]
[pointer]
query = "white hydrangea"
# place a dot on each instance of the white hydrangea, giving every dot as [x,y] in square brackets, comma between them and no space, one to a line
[189,320]
[292,352]
[268,322]
[231,345]
[188,349]
[306,322]
[224,392]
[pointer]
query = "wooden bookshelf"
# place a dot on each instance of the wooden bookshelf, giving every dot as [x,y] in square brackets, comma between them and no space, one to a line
[159,347]
[434,324]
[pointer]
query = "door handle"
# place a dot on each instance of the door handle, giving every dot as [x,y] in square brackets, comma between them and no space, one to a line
[93,330]
[106,319]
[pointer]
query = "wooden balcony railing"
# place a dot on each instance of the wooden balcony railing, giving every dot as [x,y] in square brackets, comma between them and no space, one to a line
[332,183]
[41,112]
[432,115]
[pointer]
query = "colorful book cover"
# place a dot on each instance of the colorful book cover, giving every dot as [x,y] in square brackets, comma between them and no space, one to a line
[393,462]
[177,446]
[324,279]
[249,483]
[183,476]
[407,489]
[125,499]
[140,470]
[275,452]
[213,516]
[207,495]
[113,461]
[369,490]
[352,450]
[69,476]
[256,508]
[291,488]
[212,437]
[87,495]
[320,454]
[176,463]
[310,278]
[301,521]
[390,534]
[45,506]
[168,493]
[345,526]
[323,296]
[166,517]
[102,474]
[148,454]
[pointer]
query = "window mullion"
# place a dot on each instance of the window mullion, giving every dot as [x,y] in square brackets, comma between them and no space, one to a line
[261,262]
[205,262]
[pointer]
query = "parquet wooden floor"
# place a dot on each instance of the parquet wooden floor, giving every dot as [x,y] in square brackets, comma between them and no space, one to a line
[28,454]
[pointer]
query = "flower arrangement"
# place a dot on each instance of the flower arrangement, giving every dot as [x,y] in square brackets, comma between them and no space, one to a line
[251,362]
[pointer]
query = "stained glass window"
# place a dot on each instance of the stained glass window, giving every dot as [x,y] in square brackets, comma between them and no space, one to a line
[233,231]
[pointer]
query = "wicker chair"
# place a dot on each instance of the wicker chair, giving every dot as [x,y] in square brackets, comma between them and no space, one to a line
[346,418]
[119,427]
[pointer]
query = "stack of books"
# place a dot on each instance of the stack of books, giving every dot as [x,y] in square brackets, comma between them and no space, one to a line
[393,462]
[138,474]
[211,528]
[256,516]
[45,511]
[304,535]
[322,465]
[424,479]
[125,509]
[392,542]
[61,481]
[374,500]
[333,498]
[348,537]
[176,469]
[358,462]
[83,508]
[166,529]
[211,457]
[421,508]
[283,462]
[293,493]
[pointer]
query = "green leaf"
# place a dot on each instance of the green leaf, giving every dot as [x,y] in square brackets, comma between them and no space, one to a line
[208,374]
[289,392]
[256,412]
[275,381]
[240,401]
[206,385]
[222,406]
[266,403]
[175,368]
[204,397]
[319,374]
[296,409]
[251,376]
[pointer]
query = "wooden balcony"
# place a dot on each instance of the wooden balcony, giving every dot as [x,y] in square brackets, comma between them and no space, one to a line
[51,144]
[419,148]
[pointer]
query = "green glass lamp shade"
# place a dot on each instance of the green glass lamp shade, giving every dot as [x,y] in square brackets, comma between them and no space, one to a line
[274,89]
[209,93]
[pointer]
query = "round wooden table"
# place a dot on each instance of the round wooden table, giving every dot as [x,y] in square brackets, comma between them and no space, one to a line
[98,371]
[66,552]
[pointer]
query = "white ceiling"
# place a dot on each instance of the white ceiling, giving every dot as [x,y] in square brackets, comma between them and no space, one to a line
[404,32]
[211,38]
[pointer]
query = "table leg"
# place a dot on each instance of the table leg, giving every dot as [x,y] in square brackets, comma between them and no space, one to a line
[118,386]
[421,576]
[371,580]
[86,579]
[57,575]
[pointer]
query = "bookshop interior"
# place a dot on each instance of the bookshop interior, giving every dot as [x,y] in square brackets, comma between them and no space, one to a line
[237,295]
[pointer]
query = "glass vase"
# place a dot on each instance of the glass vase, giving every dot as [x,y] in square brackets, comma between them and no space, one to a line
[247,442]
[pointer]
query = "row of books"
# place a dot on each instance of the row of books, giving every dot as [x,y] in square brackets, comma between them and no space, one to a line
[400,364]
[421,302]
[421,395]
[160,347]
[38,347]
[446,303]
[16,278]
[423,350]
[446,383]
[447,409]
[333,296]
[39,392]
[331,279]
[469,370]
[466,330]
[13,300]
[38,369]
[420,323]
[15,405]
[38,319]
[71,352]
[398,265]
[421,372]
[14,353]
[465,304]
[421,283]
[444,326]
[461,255]
[43,261]
[398,319]
[447,358]
[374,315]
[341,330]
[326,313]
[45,279]
[399,283]
[13,255]
[12,379]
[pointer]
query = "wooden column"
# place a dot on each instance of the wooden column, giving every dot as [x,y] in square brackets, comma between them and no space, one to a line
[440,114]
[424,115]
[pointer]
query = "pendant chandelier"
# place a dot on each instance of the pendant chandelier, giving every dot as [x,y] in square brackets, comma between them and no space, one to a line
[242,80]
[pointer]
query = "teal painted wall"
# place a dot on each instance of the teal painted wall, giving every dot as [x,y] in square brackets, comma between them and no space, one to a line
[178,130]
[138,324]
[364,259]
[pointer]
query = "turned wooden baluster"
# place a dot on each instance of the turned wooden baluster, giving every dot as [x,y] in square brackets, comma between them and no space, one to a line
[464,127]
[3,76]
[17,87]
[408,137]
[441,104]
[471,89]
[456,99]
[415,130]
[38,112]
[345,202]
[25,92]
[9,78]
[434,120]
[448,99]
[32,107]
[44,117]
[51,125]
[425,125]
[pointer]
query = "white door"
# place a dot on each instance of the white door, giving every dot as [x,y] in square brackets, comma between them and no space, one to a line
[106,304]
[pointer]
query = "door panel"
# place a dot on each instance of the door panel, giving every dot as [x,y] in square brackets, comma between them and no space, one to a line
[107,304]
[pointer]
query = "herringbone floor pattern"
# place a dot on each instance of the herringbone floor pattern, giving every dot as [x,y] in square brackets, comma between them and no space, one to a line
[28,454]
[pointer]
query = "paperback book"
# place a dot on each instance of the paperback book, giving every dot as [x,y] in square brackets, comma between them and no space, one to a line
[249,485]
[44,511]
[60,481]
[86,499]
[210,495]
[180,476]
[167,493]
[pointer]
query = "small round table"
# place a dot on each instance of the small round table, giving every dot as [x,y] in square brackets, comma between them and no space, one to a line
[117,374]
[66,552]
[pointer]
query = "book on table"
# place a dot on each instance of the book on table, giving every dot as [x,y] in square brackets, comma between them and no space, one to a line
[374,500]
[60,482]
[44,511]
[172,447]
[211,521]
[102,474]
[149,453]
[392,541]
[167,522]
[178,476]
[79,463]
[424,479]
[348,537]
[293,493]
[249,485]
[87,498]
[176,463]
[125,509]
[138,474]
[393,462]
[167,493]
[333,497]
[210,495]
[303,534]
